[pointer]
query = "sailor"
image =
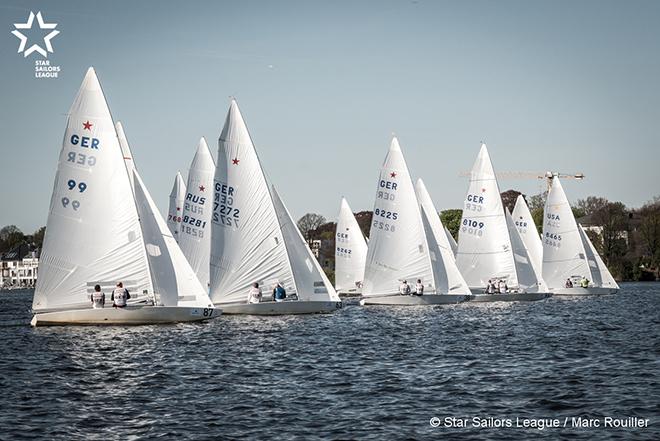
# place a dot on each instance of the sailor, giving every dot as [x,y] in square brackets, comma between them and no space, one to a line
[584,283]
[279,293]
[254,295]
[419,288]
[98,298]
[568,283]
[404,288]
[501,286]
[119,296]
[489,287]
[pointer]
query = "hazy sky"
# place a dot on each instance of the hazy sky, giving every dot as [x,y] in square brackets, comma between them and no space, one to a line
[572,86]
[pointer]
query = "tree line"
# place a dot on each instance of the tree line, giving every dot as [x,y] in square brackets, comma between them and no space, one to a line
[11,236]
[627,239]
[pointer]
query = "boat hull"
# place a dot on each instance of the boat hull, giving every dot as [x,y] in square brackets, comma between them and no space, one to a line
[281,308]
[510,297]
[131,315]
[400,300]
[578,291]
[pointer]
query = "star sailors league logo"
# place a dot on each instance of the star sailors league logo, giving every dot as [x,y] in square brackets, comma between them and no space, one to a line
[42,68]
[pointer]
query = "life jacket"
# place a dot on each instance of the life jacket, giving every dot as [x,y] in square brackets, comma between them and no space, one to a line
[98,298]
[120,296]
[280,293]
[419,288]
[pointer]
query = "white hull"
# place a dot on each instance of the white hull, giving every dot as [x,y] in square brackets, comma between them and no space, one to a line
[281,308]
[510,297]
[131,315]
[577,291]
[401,300]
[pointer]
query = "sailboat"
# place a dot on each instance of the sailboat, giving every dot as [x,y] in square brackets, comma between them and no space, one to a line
[100,232]
[485,248]
[350,252]
[175,210]
[530,236]
[567,251]
[255,240]
[402,245]
[195,228]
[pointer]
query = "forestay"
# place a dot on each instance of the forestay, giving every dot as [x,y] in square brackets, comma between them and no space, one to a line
[350,250]
[195,227]
[452,281]
[93,234]
[397,241]
[175,210]
[484,245]
[311,283]
[247,242]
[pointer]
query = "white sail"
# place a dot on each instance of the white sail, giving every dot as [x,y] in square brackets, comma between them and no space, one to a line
[195,227]
[528,232]
[93,235]
[174,281]
[247,244]
[397,240]
[453,282]
[175,210]
[350,251]
[604,276]
[452,242]
[529,280]
[311,283]
[484,245]
[564,255]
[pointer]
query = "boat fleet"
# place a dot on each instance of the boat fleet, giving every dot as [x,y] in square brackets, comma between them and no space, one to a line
[228,231]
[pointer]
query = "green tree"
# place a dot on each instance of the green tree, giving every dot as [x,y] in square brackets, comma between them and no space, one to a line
[309,223]
[10,236]
[38,237]
[451,219]
[649,232]
[509,198]
[590,205]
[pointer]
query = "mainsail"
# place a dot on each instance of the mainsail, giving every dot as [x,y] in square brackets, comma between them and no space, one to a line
[350,250]
[93,234]
[247,243]
[484,245]
[452,282]
[175,210]
[606,279]
[397,240]
[564,254]
[195,227]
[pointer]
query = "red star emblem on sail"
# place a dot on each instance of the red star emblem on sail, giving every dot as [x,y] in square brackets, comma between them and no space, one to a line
[87,125]
[201,188]
[235,161]
[483,190]
[393,174]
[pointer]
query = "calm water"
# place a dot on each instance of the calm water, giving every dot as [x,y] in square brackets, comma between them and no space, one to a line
[367,373]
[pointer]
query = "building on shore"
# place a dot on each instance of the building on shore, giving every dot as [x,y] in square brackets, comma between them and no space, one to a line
[19,268]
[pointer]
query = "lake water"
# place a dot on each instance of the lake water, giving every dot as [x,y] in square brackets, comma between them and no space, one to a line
[363,372]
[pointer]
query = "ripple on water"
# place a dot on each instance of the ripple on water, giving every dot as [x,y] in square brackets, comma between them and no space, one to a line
[375,372]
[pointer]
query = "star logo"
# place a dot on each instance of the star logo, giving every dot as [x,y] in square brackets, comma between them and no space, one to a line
[87,126]
[235,161]
[201,188]
[178,208]
[35,47]
[393,174]
[483,190]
